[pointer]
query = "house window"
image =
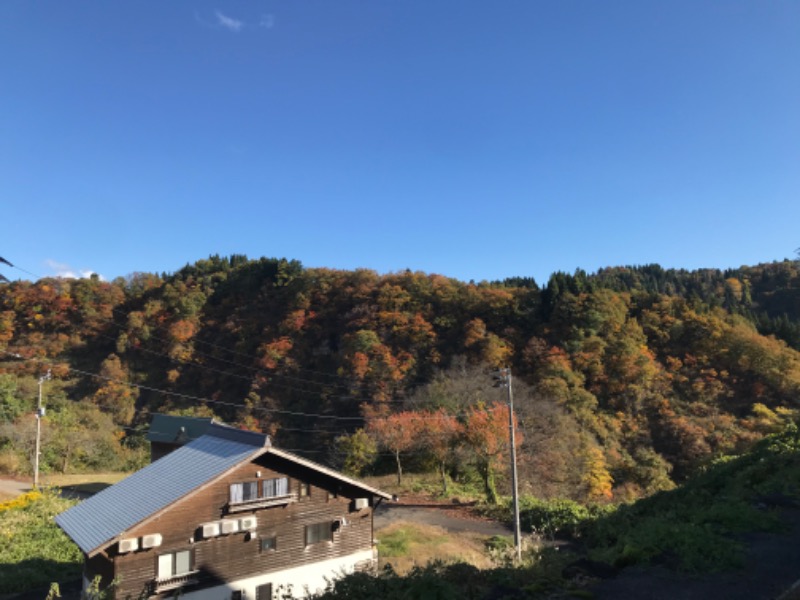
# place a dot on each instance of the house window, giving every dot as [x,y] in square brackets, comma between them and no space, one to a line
[276,487]
[174,563]
[269,544]
[319,532]
[237,595]
[305,489]
[244,492]
[264,592]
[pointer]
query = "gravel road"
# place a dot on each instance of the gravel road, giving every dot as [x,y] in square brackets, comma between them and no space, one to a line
[12,487]
[449,517]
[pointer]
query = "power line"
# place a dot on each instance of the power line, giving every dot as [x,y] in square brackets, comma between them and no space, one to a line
[192,397]
[210,344]
[202,400]
[268,377]
[351,383]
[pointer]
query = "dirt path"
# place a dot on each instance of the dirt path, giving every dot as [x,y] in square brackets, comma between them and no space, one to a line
[454,518]
[13,487]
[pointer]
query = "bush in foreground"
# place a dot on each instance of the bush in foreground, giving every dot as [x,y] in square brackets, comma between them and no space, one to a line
[33,551]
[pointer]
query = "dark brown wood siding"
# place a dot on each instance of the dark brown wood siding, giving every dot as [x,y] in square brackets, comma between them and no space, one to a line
[238,555]
[161,449]
[99,566]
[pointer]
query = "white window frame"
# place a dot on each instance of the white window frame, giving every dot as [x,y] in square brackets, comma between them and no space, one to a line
[316,533]
[167,565]
[275,487]
[245,491]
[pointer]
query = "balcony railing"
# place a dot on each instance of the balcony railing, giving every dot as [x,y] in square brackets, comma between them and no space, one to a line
[164,584]
[261,502]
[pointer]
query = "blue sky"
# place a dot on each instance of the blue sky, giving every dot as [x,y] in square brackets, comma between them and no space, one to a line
[479,140]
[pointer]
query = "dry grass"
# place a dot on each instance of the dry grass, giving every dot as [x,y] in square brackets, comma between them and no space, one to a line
[80,478]
[415,484]
[83,482]
[406,545]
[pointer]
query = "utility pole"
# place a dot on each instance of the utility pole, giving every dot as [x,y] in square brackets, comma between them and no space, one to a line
[39,415]
[504,380]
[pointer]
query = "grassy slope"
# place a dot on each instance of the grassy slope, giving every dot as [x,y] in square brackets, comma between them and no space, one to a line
[694,527]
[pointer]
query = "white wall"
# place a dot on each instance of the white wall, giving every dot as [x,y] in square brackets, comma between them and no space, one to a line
[311,578]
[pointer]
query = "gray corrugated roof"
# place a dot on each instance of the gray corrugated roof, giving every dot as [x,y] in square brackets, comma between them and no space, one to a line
[100,519]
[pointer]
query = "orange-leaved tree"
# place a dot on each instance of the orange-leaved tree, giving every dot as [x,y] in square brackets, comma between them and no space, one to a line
[438,434]
[396,433]
[486,433]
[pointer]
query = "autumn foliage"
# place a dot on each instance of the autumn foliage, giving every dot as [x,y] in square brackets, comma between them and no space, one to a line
[630,379]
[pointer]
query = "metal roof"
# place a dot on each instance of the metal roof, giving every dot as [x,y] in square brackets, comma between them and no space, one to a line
[99,520]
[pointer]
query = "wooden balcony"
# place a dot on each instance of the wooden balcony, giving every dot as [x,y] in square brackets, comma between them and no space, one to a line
[261,503]
[175,582]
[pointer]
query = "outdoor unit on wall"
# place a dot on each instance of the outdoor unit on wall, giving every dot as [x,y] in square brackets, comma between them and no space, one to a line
[210,529]
[361,503]
[151,541]
[247,523]
[128,545]
[229,526]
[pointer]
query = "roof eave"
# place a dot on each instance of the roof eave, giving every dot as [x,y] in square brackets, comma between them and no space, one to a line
[330,472]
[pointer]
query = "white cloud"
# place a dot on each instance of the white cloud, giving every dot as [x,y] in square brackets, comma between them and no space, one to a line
[228,22]
[67,272]
[223,21]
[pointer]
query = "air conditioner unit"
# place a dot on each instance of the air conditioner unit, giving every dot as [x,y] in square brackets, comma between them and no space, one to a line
[151,541]
[210,529]
[248,523]
[229,526]
[361,503]
[128,545]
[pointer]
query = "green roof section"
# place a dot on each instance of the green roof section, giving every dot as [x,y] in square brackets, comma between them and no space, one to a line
[172,429]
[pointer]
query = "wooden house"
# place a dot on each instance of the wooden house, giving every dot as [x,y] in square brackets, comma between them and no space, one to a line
[225,516]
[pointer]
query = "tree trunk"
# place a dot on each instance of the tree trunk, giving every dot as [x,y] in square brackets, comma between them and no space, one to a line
[399,467]
[444,477]
[487,473]
[65,462]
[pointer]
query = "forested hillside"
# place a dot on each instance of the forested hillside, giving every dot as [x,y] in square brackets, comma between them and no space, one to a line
[626,380]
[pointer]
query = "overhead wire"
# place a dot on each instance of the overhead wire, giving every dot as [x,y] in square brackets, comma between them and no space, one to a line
[268,374]
[202,400]
[206,343]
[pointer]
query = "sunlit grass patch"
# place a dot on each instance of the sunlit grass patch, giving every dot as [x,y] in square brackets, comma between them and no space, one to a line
[74,480]
[407,545]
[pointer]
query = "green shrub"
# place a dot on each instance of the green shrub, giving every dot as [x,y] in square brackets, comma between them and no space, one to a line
[33,550]
[690,527]
[549,518]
